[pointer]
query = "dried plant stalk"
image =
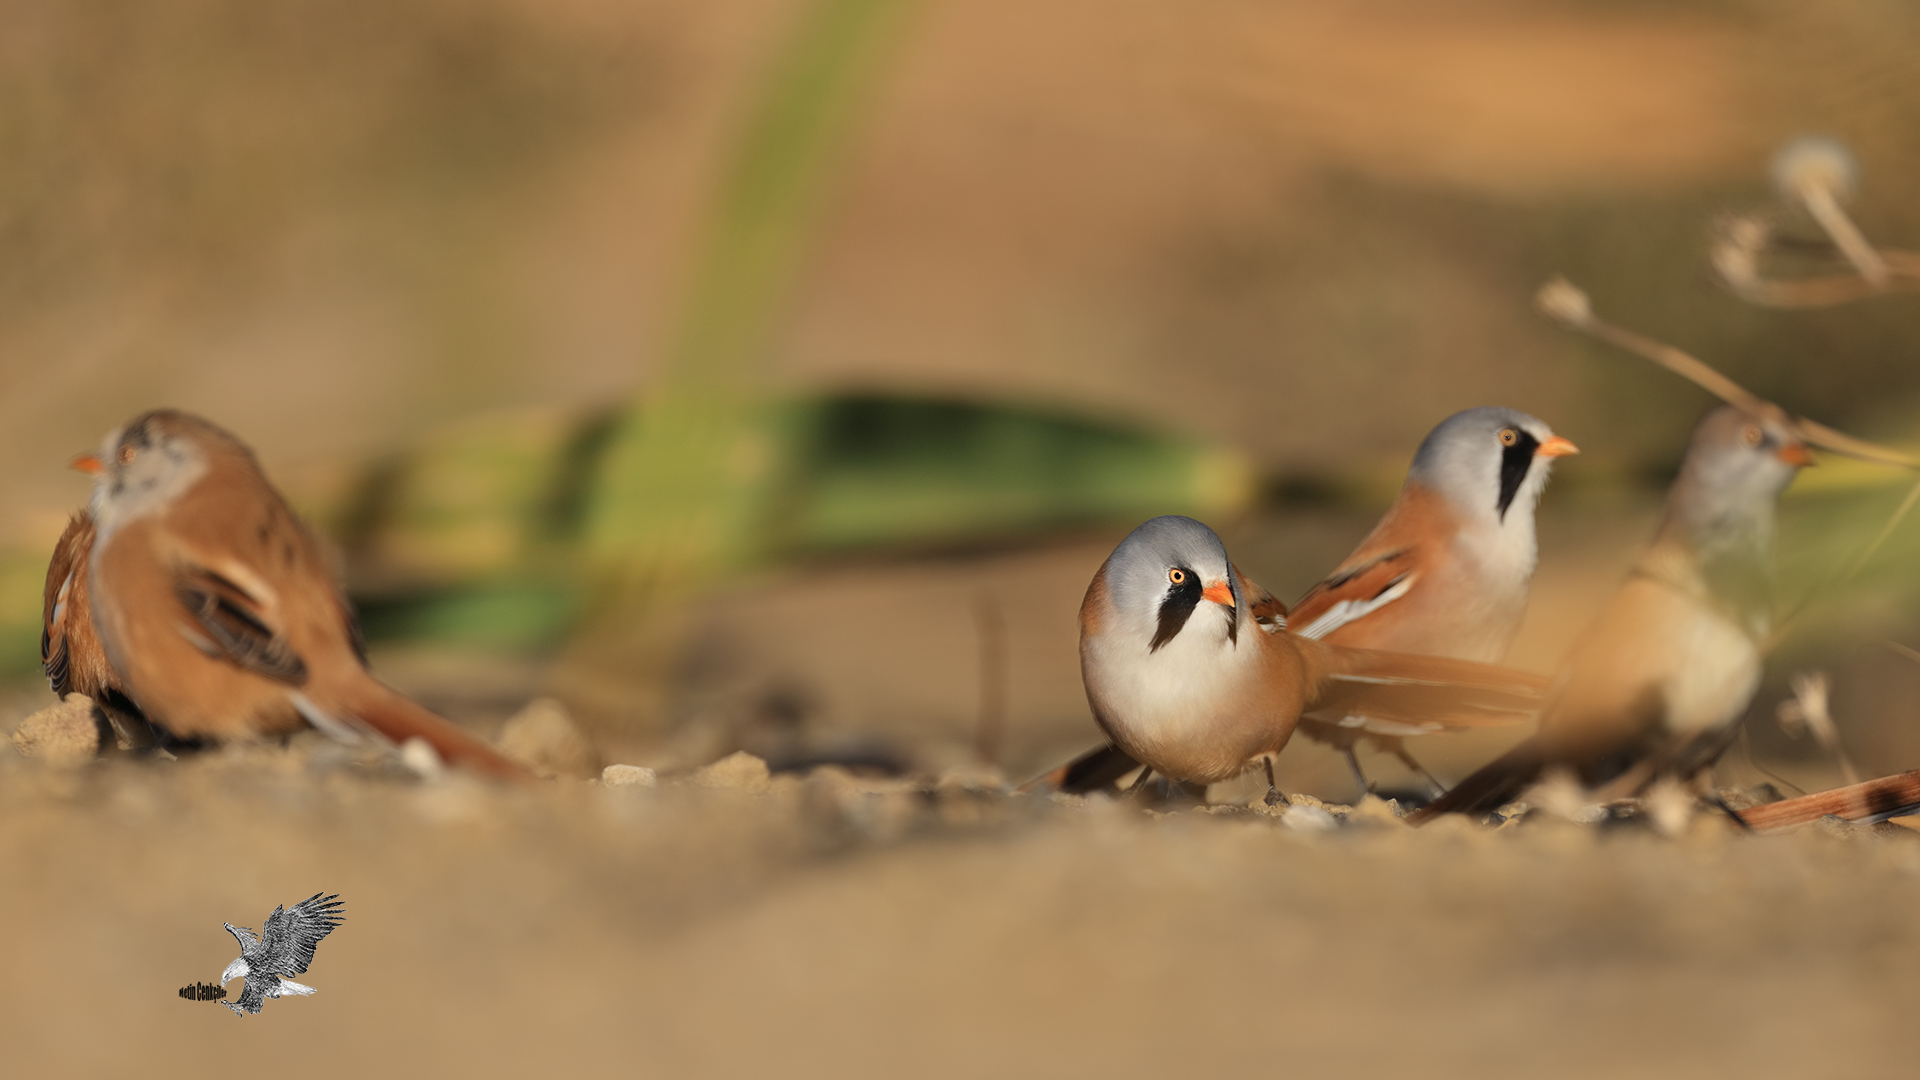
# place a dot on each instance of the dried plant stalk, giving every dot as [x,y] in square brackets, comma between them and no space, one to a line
[1566,303]
[1743,240]
[1863,803]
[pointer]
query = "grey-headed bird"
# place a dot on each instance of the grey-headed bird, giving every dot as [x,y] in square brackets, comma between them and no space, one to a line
[1446,572]
[1655,686]
[1185,676]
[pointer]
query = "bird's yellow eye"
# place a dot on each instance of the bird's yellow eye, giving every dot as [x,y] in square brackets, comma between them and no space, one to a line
[1751,435]
[127,454]
[1508,436]
[1177,576]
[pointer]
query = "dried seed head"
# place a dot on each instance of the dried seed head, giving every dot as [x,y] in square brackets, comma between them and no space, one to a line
[1814,162]
[1563,300]
[1736,250]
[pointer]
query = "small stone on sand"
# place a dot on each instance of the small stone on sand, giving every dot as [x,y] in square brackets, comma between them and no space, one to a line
[544,738]
[419,757]
[736,770]
[627,776]
[1374,809]
[64,735]
[1309,817]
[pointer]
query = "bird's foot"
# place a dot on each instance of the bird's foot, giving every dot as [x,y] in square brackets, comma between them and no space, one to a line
[1275,797]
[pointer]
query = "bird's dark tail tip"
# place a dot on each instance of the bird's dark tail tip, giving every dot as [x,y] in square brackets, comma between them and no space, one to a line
[1492,785]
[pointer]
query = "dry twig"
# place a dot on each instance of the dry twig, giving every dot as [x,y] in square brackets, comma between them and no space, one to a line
[1818,175]
[1863,804]
[1744,241]
[1566,303]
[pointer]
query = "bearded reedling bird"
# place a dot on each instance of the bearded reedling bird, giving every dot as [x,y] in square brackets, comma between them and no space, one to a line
[1658,682]
[1444,573]
[1186,677]
[283,949]
[216,607]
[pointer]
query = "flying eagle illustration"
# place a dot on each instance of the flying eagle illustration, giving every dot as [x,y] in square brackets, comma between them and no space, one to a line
[284,948]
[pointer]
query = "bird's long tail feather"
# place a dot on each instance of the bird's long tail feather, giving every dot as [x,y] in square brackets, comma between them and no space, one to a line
[397,718]
[1490,787]
[1417,694]
[1091,771]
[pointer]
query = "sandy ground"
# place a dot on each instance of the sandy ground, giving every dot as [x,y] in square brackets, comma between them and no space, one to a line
[722,923]
[820,926]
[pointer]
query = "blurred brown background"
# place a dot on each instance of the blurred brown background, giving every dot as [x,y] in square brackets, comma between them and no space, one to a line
[1309,229]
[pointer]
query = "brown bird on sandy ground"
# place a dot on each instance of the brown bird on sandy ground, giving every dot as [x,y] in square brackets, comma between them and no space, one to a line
[1445,573]
[1658,682]
[217,609]
[70,651]
[1184,677]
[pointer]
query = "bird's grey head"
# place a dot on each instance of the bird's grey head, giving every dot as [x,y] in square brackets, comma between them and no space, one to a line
[1490,463]
[1737,464]
[1168,577]
[236,970]
[144,464]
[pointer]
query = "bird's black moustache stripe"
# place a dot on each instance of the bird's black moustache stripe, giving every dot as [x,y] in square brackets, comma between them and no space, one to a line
[1515,460]
[1175,609]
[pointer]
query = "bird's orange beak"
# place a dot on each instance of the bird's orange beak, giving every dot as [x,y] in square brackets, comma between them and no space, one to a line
[89,464]
[1556,447]
[1795,454]
[1219,593]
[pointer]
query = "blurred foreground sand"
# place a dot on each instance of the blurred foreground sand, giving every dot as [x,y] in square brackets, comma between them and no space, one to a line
[824,927]
[816,925]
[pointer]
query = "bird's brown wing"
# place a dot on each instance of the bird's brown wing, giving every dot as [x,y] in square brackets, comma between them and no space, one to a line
[70,650]
[1358,588]
[234,623]
[1383,568]
[55,602]
[70,653]
[1265,608]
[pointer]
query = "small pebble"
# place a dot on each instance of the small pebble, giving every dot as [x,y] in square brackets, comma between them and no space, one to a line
[545,739]
[1374,809]
[737,770]
[973,779]
[420,759]
[64,735]
[1309,817]
[627,775]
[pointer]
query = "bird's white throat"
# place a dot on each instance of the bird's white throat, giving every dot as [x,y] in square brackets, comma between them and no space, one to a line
[149,483]
[1174,691]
